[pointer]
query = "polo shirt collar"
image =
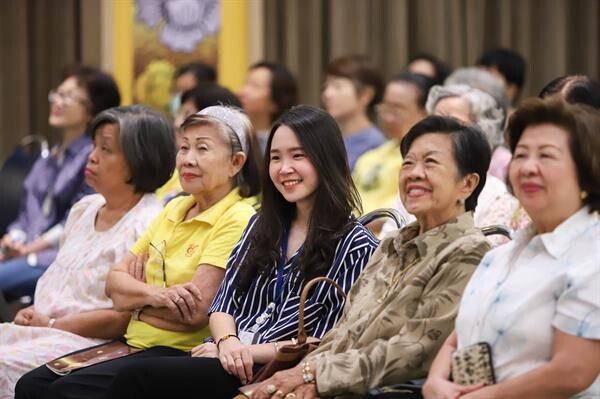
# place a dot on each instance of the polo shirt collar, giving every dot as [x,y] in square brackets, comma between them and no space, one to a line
[210,215]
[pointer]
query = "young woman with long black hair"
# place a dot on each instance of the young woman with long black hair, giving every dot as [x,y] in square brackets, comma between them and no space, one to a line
[305,229]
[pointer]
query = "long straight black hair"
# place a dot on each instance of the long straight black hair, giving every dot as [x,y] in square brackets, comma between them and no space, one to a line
[335,200]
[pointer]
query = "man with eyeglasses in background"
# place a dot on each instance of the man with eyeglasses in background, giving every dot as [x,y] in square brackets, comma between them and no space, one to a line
[376,171]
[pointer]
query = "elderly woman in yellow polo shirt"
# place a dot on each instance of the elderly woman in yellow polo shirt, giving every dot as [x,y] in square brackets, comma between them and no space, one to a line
[174,270]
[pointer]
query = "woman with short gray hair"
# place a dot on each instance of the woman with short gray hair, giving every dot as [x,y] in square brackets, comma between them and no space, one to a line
[480,108]
[133,154]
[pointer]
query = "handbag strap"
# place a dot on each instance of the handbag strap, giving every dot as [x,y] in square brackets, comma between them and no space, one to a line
[301,330]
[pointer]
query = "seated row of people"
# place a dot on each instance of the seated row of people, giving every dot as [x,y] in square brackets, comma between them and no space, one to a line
[184,307]
[401,307]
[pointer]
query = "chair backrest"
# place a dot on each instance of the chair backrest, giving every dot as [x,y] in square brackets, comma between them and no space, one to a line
[383,213]
[496,229]
[13,174]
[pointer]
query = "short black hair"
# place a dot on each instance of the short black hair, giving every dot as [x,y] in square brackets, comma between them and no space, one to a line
[421,82]
[202,72]
[441,69]
[148,143]
[101,88]
[283,87]
[508,62]
[363,73]
[472,152]
[207,94]
[575,89]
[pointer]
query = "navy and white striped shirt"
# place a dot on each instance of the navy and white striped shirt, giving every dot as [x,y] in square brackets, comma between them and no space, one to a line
[323,307]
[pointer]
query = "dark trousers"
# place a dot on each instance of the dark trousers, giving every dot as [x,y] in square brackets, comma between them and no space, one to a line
[175,377]
[91,382]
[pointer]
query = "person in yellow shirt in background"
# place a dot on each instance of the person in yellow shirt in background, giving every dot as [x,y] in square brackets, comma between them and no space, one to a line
[376,172]
[170,277]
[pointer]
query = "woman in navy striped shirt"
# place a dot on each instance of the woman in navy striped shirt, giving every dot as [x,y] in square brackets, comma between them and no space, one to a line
[305,229]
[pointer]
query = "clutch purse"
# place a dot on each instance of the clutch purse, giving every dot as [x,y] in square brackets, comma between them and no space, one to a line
[90,356]
[473,365]
[289,356]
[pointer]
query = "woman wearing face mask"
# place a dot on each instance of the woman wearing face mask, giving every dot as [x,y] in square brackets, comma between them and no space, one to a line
[133,152]
[304,229]
[173,271]
[55,183]
[535,300]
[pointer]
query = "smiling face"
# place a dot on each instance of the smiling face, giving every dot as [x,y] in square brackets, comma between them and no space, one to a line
[543,175]
[69,106]
[107,170]
[290,169]
[205,163]
[430,185]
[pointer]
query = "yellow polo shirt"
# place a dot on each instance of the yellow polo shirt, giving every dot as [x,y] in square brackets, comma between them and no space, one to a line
[376,176]
[207,238]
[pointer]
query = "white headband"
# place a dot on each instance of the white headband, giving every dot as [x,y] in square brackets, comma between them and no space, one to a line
[228,116]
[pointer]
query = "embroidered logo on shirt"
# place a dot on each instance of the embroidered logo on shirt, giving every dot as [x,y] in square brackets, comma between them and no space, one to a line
[190,250]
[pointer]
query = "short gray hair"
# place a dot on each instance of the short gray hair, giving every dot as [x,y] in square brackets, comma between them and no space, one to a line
[484,110]
[482,80]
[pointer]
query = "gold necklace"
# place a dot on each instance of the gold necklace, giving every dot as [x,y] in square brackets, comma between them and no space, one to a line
[396,276]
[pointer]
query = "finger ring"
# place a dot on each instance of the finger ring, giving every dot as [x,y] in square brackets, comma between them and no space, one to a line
[177,300]
[278,393]
[270,389]
[290,395]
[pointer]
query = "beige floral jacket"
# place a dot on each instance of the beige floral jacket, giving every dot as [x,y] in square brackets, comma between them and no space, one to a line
[401,309]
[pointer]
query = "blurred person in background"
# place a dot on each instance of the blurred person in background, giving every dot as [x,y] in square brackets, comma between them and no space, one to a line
[269,91]
[402,107]
[430,66]
[575,89]
[507,65]
[489,83]
[352,88]
[54,183]
[188,77]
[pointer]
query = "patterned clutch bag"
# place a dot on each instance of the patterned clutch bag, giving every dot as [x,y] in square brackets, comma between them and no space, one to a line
[473,365]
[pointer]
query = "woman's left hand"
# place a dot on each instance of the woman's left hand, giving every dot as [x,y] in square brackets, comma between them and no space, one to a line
[208,349]
[284,382]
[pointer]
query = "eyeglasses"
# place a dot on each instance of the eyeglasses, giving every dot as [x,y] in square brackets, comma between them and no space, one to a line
[66,98]
[162,244]
[389,110]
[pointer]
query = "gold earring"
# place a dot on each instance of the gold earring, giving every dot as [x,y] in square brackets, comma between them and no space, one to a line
[583,195]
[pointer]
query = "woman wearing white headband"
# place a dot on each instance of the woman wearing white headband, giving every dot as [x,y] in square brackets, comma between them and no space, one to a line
[174,270]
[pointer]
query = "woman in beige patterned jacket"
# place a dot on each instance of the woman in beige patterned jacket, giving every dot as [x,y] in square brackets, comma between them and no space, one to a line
[403,306]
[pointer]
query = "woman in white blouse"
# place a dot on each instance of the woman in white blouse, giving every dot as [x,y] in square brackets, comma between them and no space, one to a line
[536,301]
[133,154]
